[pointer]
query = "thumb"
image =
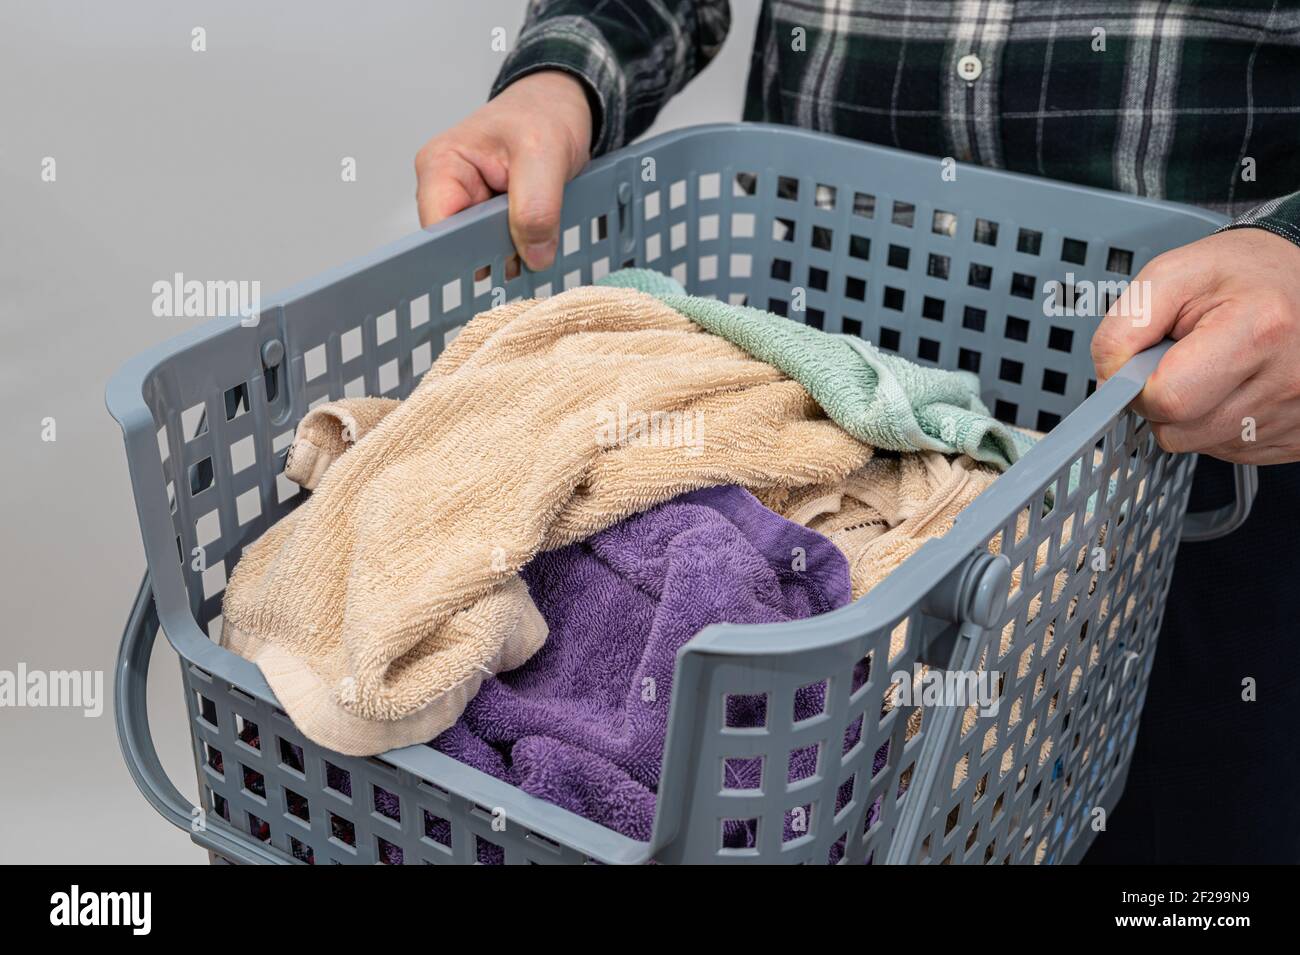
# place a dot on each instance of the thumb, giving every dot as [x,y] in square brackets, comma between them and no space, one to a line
[536,192]
[1144,314]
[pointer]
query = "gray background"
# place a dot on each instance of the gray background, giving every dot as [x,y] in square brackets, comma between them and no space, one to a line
[220,165]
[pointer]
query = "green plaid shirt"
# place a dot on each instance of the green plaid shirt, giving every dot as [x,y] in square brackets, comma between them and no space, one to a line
[1190,100]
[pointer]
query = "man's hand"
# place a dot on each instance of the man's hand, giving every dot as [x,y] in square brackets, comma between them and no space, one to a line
[530,140]
[1230,386]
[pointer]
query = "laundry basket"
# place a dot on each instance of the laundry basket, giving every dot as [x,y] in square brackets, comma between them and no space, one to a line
[1055,578]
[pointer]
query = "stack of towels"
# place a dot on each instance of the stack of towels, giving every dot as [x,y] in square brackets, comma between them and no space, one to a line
[506,563]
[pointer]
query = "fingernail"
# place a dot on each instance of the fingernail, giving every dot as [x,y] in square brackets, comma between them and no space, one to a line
[538,255]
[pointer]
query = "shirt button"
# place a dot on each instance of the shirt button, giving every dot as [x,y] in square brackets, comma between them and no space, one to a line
[969,67]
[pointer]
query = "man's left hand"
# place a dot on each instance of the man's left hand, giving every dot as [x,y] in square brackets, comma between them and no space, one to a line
[1230,386]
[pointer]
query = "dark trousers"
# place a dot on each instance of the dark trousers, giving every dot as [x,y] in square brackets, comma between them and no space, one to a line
[1215,779]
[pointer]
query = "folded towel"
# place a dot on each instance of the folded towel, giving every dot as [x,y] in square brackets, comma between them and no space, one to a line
[377,607]
[882,399]
[582,724]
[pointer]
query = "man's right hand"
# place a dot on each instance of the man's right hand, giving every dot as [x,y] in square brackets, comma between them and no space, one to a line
[529,141]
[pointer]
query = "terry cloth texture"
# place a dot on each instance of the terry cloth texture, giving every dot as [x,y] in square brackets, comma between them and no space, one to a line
[882,513]
[378,606]
[882,399]
[328,430]
[582,724]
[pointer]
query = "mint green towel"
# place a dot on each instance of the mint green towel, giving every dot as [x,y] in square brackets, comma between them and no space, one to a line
[881,399]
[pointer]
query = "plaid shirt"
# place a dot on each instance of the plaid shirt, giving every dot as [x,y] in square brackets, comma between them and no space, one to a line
[1189,100]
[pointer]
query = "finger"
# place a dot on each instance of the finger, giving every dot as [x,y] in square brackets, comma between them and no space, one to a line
[446,184]
[1234,426]
[1222,429]
[1146,311]
[537,178]
[1202,370]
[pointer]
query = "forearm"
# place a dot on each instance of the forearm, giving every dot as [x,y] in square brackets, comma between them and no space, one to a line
[632,58]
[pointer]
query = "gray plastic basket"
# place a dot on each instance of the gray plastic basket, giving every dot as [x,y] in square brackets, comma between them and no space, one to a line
[882,246]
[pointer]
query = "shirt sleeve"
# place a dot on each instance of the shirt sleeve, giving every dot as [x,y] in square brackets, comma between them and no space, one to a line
[632,57]
[1281,216]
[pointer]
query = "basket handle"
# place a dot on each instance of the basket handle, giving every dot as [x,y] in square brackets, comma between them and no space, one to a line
[1210,525]
[1202,525]
[130,711]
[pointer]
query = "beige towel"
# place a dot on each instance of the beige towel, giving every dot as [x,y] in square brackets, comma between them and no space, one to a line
[882,513]
[328,430]
[377,607]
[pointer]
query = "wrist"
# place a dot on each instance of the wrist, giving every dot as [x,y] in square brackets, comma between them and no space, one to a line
[1281,217]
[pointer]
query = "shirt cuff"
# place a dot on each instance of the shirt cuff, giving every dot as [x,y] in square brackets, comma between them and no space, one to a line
[1280,216]
[574,46]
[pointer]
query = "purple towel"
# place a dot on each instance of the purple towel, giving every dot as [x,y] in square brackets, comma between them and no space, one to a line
[582,724]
